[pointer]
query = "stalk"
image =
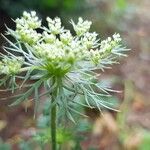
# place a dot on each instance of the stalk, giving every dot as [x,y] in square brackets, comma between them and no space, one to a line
[53,114]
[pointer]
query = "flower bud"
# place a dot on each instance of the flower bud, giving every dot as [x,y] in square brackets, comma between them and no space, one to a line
[82,26]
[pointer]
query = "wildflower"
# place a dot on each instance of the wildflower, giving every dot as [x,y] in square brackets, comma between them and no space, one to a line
[11,66]
[90,40]
[63,63]
[109,44]
[58,46]
[82,26]
[54,25]
[117,37]
[49,38]
[31,19]
[29,36]
[27,21]
[25,27]
[95,56]
[66,37]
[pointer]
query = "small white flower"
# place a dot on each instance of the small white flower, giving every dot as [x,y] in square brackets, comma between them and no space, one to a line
[82,26]
[95,56]
[29,20]
[54,25]
[49,38]
[12,66]
[90,40]
[109,39]
[29,36]
[117,37]
[26,14]
[66,37]
[108,44]
[33,13]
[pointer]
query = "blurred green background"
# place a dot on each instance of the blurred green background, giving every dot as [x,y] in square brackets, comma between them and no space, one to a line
[128,129]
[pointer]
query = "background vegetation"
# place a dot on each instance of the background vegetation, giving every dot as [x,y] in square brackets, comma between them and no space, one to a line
[128,129]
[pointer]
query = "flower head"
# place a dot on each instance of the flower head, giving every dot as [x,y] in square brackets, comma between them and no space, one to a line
[56,46]
[90,40]
[29,36]
[109,43]
[49,38]
[11,66]
[59,60]
[66,37]
[25,27]
[82,26]
[117,37]
[27,21]
[54,25]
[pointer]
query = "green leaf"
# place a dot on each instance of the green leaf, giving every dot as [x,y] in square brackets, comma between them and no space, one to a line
[63,135]
[28,93]
[145,144]
[69,115]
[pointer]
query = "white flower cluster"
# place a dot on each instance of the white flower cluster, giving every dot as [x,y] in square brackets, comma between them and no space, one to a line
[29,35]
[108,44]
[25,27]
[53,52]
[82,26]
[117,37]
[90,40]
[95,56]
[11,66]
[60,52]
[28,20]
[54,25]
[49,38]
[66,37]
[58,45]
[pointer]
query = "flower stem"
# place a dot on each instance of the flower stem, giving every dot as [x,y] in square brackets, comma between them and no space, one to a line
[53,120]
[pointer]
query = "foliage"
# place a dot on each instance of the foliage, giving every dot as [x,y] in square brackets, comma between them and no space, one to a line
[70,134]
[4,146]
[145,144]
[13,8]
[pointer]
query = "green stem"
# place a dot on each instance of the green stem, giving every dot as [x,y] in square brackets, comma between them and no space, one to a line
[59,148]
[53,113]
[53,120]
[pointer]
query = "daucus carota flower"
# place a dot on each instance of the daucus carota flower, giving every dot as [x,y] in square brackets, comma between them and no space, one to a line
[29,20]
[54,25]
[25,27]
[90,40]
[82,26]
[95,56]
[62,63]
[11,65]
[58,45]
[49,38]
[59,59]
[28,35]
[117,37]
[66,37]
[109,44]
